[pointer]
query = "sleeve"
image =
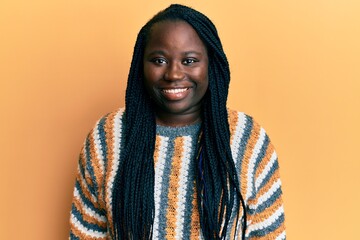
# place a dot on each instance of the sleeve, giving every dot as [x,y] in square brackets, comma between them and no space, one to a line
[87,216]
[265,210]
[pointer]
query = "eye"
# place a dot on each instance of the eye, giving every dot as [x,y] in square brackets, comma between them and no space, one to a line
[159,61]
[189,61]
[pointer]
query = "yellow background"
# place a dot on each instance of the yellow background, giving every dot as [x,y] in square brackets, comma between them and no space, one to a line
[295,68]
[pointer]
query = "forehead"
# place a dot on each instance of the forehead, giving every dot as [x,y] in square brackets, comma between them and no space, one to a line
[173,33]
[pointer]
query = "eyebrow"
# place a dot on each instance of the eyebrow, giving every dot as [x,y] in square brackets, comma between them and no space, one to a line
[193,52]
[156,52]
[186,53]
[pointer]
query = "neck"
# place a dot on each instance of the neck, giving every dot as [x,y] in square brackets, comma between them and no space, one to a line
[172,120]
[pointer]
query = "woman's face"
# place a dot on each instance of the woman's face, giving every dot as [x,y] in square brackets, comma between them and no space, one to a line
[175,68]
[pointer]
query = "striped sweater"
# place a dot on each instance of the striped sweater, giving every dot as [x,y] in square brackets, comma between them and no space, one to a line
[176,210]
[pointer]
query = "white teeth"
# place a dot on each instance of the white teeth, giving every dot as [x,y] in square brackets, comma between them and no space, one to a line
[176,90]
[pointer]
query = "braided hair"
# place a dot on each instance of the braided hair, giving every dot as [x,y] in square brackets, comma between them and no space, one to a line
[133,192]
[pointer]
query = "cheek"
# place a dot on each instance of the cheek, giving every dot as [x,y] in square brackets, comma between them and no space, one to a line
[205,78]
[151,74]
[148,77]
[146,72]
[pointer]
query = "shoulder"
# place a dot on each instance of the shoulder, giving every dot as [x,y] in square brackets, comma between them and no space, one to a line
[251,146]
[105,131]
[102,141]
[110,122]
[241,120]
[245,130]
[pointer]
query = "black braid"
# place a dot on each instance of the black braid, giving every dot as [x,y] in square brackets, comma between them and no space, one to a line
[133,192]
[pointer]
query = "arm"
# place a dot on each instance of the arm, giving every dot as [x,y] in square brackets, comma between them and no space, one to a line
[265,210]
[88,217]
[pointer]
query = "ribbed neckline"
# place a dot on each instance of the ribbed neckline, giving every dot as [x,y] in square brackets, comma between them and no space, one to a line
[188,130]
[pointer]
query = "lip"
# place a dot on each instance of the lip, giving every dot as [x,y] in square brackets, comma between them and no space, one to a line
[175,93]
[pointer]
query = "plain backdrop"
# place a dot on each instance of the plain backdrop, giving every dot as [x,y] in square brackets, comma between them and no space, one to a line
[295,67]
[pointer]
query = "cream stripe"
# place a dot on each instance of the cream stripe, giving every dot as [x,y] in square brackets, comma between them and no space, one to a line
[239,132]
[281,236]
[172,195]
[87,210]
[84,184]
[87,177]
[266,170]
[263,198]
[86,231]
[269,193]
[183,178]
[98,149]
[117,130]
[251,169]
[267,222]
[159,172]
[238,136]
[250,145]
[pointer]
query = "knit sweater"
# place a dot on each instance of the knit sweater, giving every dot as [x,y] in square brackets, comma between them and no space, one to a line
[176,210]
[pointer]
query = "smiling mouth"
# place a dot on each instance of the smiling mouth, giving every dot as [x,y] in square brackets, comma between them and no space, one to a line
[175,90]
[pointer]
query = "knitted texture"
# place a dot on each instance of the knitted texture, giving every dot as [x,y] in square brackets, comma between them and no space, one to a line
[176,210]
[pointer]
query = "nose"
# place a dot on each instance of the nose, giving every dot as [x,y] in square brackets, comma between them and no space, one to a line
[174,72]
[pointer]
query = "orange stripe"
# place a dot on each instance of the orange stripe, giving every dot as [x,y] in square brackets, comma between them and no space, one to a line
[87,217]
[259,217]
[195,219]
[265,160]
[246,159]
[83,162]
[269,184]
[173,188]
[84,188]
[82,235]
[157,149]
[273,235]
[233,118]
[232,230]
[109,133]
[232,233]
[95,162]
[86,192]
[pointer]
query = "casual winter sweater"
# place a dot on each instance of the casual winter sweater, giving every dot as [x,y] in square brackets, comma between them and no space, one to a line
[176,210]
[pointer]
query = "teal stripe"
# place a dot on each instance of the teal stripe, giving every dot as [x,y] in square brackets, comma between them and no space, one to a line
[247,126]
[189,192]
[89,167]
[258,160]
[165,190]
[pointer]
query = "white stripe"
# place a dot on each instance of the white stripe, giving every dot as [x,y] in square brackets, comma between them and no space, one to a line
[116,148]
[282,236]
[86,173]
[83,183]
[238,235]
[85,230]
[98,149]
[87,210]
[235,145]
[183,179]
[159,172]
[239,132]
[251,168]
[236,138]
[263,198]
[266,170]
[266,222]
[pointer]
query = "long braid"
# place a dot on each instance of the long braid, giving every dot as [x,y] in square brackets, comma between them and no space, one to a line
[133,193]
[217,182]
